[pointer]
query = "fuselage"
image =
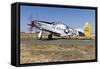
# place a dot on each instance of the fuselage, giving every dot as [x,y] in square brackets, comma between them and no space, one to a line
[58,29]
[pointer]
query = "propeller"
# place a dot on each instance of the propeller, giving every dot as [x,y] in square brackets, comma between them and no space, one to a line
[32,24]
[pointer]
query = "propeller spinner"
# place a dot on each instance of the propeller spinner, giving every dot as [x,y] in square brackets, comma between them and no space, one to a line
[31,25]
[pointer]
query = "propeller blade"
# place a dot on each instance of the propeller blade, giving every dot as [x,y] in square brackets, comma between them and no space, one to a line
[30,29]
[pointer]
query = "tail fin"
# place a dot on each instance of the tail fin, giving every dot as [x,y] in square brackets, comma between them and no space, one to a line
[87,30]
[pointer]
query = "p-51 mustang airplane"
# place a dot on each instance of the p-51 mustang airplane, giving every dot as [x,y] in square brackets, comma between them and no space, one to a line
[59,29]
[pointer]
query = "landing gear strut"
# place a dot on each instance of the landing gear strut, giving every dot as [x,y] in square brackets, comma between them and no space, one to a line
[50,36]
[40,35]
[39,38]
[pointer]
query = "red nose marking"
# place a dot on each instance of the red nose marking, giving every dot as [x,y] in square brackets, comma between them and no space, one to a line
[32,23]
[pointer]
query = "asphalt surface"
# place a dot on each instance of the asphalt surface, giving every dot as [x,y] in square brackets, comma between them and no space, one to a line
[67,42]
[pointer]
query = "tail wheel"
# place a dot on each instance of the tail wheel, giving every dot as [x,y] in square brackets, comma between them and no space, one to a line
[50,36]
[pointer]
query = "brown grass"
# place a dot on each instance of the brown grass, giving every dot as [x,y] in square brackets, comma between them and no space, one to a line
[53,53]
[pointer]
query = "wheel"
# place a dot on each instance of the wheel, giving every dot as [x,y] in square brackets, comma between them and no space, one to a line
[50,36]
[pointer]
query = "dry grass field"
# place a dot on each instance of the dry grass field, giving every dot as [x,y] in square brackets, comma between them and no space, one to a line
[31,52]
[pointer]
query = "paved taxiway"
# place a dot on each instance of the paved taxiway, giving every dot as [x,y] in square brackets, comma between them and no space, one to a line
[67,42]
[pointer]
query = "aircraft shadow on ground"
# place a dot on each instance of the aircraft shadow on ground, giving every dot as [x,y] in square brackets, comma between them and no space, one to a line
[46,39]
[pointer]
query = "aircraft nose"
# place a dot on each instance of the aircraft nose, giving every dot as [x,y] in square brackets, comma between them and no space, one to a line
[33,23]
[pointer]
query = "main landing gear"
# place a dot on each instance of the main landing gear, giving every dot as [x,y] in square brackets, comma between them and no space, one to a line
[50,36]
[39,35]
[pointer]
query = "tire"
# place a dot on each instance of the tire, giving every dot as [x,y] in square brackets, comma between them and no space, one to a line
[50,36]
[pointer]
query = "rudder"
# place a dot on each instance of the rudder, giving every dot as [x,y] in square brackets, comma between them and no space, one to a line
[87,30]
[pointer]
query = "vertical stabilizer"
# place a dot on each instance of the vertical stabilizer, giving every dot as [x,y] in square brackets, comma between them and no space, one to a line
[87,30]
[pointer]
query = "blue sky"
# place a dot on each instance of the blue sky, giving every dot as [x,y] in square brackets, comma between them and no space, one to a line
[75,18]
